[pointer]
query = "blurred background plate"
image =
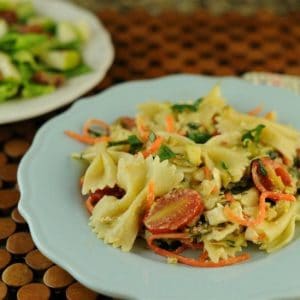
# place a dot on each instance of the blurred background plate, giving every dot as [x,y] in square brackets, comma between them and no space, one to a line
[98,53]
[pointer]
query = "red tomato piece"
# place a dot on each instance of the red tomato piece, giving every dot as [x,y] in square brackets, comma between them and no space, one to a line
[173,211]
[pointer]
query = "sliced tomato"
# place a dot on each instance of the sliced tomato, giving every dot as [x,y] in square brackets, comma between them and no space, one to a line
[261,181]
[173,211]
[95,197]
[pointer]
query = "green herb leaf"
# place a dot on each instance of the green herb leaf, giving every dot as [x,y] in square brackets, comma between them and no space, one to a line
[135,144]
[152,137]
[165,152]
[193,125]
[198,137]
[261,168]
[133,141]
[253,135]
[186,107]
[224,166]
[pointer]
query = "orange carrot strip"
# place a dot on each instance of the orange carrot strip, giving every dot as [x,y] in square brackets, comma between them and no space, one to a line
[207,173]
[150,195]
[255,111]
[170,123]
[229,197]
[270,116]
[203,256]
[87,125]
[89,204]
[86,139]
[153,147]
[191,261]
[232,217]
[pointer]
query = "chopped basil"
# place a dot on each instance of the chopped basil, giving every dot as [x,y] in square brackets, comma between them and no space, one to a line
[261,169]
[273,154]
[230,243]
[164,152]
[186,107]
[224,166]
[133,141]
[297,162]
[193,125]
[241,186]
[152,137]
[198,137]
[253,135]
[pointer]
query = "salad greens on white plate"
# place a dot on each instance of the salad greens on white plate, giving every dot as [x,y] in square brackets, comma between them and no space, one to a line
[51,52]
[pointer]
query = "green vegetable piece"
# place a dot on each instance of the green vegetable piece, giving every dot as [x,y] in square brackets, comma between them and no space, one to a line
[7,68]
[193,125]
[224,166]
[8,89]
[152,137]
[253,135]
[198,137]
[3,28]
[46,23]
[83,30]
[261,169]
[186,107]
[26,71]
[24,10]
[133,141]
[79,70]
[164,152]
[34,89]
[25,56]
[16,41]
[135,144]
[62,60]
[66,32]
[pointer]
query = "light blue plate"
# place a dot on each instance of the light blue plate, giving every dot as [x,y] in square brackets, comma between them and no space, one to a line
[53,207]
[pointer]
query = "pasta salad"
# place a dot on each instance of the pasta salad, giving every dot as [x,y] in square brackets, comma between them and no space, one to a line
[195,175]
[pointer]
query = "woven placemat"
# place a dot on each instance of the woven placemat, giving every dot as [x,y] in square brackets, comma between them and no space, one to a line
[146,47]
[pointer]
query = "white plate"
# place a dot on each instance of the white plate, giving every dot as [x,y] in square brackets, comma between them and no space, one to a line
[52,205]
[98,53]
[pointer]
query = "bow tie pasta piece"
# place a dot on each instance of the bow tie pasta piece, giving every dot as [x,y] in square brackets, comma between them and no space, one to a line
[281,137]
[101,172]
[117,221]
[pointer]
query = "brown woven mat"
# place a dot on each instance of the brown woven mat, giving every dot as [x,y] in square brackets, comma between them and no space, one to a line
[146,47]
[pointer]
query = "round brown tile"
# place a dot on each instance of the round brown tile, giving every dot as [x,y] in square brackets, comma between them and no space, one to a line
[17,217]
[3,290]
[5,258]
[3,159]
[17,275]
[8,172]
[77,291]
[16,147]
[37,261]
[7,227]
[19,243]
[34,291]
[8,198]
[55,277]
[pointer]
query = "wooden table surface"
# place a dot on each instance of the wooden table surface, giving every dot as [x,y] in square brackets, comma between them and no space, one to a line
[146,47]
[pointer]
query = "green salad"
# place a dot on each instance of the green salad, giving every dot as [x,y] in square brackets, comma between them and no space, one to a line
[37,53]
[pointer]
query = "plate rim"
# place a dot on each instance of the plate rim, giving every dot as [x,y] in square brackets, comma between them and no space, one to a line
[24,210]
[97,74]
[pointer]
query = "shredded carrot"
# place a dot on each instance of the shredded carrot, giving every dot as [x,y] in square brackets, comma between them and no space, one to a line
[191,261]
[215,189]
[255,111]
[85,138]
[229,197]
[276,196]
[153,147]
[203,256]
[207,173]
[170,123]
[87,125]
[142,130]
[150,195]
[89,203]
[287,161]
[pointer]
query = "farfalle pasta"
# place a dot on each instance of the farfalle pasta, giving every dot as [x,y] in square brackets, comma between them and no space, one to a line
[192,175]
